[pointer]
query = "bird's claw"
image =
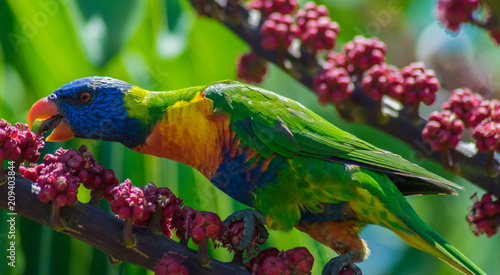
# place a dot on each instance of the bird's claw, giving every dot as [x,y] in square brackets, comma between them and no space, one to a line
[252,219]
[339,263]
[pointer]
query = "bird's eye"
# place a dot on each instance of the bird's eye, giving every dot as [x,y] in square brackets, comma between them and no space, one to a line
[84,97]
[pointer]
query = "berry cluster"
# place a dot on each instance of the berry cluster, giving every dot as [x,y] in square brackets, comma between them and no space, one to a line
[251,67]
[452,13]
[18,143]
[443,130]
[272,261]
[474,112]
[468,106]
[310,12]
[171,264]
[60,175]
[162,200]
[484,215]
[278,31]
[487,136]
[333,85]
[419,84]
[267,7]
[129,201]
[318,31]
[382,80]
[362,53]
[197,225]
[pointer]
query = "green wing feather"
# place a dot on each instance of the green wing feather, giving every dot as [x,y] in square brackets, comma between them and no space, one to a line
[269,123]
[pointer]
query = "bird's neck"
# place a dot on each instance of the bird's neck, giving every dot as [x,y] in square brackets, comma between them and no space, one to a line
[184,127]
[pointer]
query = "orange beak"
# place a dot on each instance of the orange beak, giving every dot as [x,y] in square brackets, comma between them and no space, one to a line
[45,109]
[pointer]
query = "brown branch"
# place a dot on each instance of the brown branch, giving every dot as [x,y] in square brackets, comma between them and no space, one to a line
[102,230]
[365,110]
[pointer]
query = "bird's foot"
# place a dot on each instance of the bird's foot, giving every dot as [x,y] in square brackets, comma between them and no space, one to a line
[246,227]
[253,220]
[341,264]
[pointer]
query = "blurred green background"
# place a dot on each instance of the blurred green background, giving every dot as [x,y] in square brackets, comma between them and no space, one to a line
[164,45]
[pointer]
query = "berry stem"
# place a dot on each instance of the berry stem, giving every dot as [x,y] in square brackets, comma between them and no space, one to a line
[382,119]
[156,222]
[96,197]
[127,238]
[202,256]
[238,257]
[55,221]
[3,178]
[490,164]
[446,158]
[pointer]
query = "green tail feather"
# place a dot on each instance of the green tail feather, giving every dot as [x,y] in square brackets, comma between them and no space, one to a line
[431,242]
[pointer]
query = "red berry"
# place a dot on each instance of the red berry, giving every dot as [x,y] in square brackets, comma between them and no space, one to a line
[49,158]
[60,184]
[108,176]
[124,212]
[199,233]
[140,213]
[15,154]
[61,200]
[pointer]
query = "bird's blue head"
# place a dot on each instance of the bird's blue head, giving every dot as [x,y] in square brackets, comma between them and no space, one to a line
[91,108]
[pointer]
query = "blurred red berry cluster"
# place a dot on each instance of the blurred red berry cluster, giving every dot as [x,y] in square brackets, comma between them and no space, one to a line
[362,53]
[171,264]
[278,31]
[18,143]
[272,261]
[443,130]
[452,13]
[383,80]
[333,85]
[484,215]
[251,67]
[267,7]
[317,30]
[465,109]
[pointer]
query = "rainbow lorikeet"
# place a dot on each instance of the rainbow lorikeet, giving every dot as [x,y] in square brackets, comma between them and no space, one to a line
[264,150]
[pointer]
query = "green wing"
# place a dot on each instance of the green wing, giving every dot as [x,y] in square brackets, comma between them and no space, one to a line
[269,123]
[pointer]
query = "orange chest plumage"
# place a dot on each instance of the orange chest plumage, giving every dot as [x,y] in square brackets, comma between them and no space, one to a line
[190,132]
